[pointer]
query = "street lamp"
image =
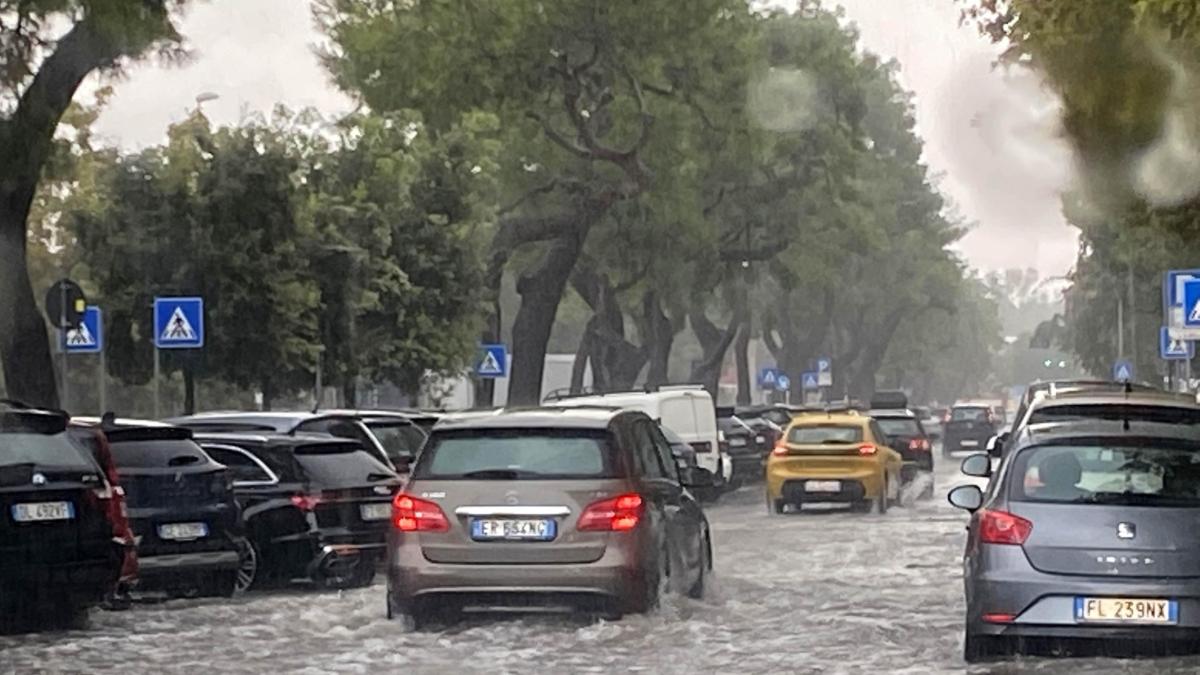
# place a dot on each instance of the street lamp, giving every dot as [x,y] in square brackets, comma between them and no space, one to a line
[204,97]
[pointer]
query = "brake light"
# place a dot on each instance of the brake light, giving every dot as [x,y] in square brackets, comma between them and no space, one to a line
[780,449]
[1001,527]
[306,502]
[866,449]
[412,514]
[619,514]
[918,444]
[999,618]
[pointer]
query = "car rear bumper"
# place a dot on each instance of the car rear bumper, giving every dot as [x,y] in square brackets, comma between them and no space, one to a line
[857,483]
[1043,605]
[186,563]
[90,579]
[611,579]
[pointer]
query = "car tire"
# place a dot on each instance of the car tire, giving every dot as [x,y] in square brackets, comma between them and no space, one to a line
[980,648]
[774,506]
[696,592]
[360,576]
[246,576]
[408,618]
[879,505]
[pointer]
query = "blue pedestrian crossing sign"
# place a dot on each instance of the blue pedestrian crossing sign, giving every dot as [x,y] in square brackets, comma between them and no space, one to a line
[1191,304]
[1123,371]
[492,361]
[88,338]
[809,380]
[768,378]
[179,323]
[1171,349]
[783,382]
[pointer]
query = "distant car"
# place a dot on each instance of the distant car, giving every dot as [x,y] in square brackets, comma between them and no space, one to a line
[907,436]
[970,427]
[316,507]
[401,433]
[837,457]
[345,424]
[687,410]
[1086,532]
[118,511]
[747,447]
[553,508]
[181,508]
[59,547]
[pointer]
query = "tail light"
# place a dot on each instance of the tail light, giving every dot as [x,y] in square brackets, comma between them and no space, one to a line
[999,618]
[701,448]
[918,444]
[780,449]
[412,514]
[866,449]
[1002,527]
[306,502]
[619,514]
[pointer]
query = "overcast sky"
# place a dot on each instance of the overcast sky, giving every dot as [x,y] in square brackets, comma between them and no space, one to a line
[989,137]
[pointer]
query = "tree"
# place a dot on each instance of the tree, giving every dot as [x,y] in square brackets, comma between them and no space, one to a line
[41,67]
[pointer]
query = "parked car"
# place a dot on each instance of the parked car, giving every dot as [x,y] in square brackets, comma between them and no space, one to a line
[58,541]
[906,436]
[118,512]
[401,433]
[573,508]
[746,447]
[316,507]
[687,410]
[934,422]
[348,425]
[837,457]
[684,454]
[181,507]
[970,427]
[1086,532]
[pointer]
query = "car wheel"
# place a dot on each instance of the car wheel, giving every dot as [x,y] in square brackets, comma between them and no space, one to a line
[361,574]
[408,618]
[696,592]
[880,503]
[977,648]
[774,506]
[247,571]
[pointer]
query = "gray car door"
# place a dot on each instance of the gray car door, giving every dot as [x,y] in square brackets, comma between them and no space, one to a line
[666,496]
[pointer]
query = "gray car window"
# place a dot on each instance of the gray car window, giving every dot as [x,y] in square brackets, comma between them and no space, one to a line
[1128,475]
[645,452]
[241,465]
[666,460]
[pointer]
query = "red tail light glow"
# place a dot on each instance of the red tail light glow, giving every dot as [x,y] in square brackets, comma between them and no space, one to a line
[306,502]
[998,618]
[412,514]
[1001,527]
[918,444]
[619,514]
[780,449]
[866,449]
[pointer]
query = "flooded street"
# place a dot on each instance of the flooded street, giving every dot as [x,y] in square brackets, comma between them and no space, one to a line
[815,592]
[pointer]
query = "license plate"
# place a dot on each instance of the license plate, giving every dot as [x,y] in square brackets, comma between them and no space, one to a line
[823,486]
[1126,610]
[182,531]
[541,529]
[375,511]
[969,444]
[737,442]
[39,511]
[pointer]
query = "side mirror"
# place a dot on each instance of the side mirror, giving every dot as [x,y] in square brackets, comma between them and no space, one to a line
[966,497]
[978,465]
[995,446]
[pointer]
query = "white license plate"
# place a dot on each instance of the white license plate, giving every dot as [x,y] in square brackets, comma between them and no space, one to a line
[1126,610]
[375,511]
[823,486]
[541,529]
[182,531]
[39,511]
[969,444]
[737,442]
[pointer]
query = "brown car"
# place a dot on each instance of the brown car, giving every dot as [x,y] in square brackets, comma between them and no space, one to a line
[557,508]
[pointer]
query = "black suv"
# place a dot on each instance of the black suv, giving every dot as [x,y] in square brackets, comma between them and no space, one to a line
[181,507]
[316,507]
[746,446]
[58,552]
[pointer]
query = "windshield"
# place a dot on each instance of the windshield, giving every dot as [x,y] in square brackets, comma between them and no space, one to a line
[400,440]
[43,451]
[340,465]
[1148,474]
[970,415]
[816,435]
[896,426]
[517,454]
[157,454]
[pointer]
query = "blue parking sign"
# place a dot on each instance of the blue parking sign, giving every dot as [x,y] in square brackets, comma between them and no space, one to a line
[179,323]
[88,338]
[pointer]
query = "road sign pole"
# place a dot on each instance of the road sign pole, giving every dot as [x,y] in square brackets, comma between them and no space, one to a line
[157,368]
[102,376]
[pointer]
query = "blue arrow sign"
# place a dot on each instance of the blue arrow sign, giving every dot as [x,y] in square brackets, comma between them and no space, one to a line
[88,338]
[492,361]
[1123,371]
[783,382]
[179,323]
[1174,350]
[809,380]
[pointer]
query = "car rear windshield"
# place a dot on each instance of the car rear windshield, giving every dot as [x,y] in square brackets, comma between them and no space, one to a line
[1148,472]
[969,414]
[340,465]
[511,454]
[43,450]
[1116,411]
[825,433]
[899,426]
[157,454]
[399,439]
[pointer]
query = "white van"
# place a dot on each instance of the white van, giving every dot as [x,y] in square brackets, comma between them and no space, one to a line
[687,410]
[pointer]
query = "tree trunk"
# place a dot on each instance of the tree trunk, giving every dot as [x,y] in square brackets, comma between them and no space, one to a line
[24,342]
[715,344]
[658,336]
[541,291]
[189,389]
[741,352]
[582,355]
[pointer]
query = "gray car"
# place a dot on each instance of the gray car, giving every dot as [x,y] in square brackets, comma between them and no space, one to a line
[560,508]
[1087,530]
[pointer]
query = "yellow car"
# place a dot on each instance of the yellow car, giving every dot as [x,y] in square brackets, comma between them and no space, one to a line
[833,457]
